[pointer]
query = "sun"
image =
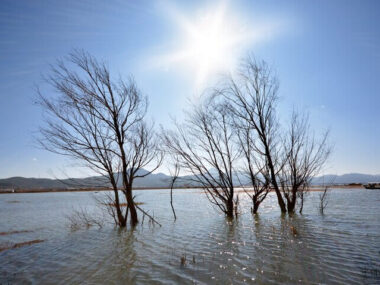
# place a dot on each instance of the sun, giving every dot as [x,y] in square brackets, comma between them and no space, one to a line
[211,41]
[207,42]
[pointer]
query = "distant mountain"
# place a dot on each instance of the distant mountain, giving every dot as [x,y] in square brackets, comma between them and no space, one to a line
[156,180]
[346,179]
[151,180]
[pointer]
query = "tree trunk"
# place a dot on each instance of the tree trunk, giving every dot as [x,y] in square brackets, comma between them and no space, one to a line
[280,200]
[171,202]
[122,223]
[255,207]
[127,181]
[255,203]
[131,206]
[121,220]
[302,200]
[230,208]
[292,204]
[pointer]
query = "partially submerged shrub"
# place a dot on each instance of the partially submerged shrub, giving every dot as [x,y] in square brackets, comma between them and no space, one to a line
[83,219]
[323,199]
[183,260]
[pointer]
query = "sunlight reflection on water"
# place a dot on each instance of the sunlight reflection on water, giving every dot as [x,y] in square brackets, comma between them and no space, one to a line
[341,247]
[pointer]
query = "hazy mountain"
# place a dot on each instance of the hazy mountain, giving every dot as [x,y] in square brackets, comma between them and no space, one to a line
[346,178]
[156,180]
[151,180]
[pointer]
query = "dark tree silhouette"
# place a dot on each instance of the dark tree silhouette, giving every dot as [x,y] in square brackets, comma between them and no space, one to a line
[205,148]
[255,166]
[286,159]
[305,156]
[323,199]
[174,177]
[252,98]
[100,123]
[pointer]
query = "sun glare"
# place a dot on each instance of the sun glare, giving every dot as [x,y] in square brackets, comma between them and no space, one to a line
[211,42]
[208,45]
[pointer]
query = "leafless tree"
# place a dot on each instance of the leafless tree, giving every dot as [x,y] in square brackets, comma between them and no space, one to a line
[323,199]
[302,196]
[252,98]
[174,176]
[287,159]
[205,148]
[323,196]
[255,166]
[305,158]
[100,123]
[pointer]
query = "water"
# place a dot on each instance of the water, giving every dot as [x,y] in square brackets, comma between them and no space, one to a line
[341,247]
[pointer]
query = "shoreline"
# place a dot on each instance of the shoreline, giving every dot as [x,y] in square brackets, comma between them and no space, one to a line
[238,189]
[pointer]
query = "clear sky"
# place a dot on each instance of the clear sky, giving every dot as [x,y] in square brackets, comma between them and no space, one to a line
[326,54]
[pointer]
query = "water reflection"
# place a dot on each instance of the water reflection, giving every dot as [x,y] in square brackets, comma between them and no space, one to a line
[124,254]
[267,248]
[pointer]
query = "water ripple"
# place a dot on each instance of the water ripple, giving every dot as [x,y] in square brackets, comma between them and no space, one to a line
[201,247]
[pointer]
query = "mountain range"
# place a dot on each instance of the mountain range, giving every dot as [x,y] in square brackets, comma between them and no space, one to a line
[154,180]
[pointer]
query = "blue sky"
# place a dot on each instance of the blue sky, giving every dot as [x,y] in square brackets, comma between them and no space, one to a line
[326,55]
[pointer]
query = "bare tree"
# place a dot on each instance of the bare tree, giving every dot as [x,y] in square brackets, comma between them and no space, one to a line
[305,156]
[323,199]
[323,196]
[255,166]
[205,148]
[302,196]
[287,159]
[100,123]
[174,176]
[252,98]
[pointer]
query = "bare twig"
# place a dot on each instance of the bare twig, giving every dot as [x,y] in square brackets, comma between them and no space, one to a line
[151,218]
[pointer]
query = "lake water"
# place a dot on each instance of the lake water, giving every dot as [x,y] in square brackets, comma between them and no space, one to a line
[340,247]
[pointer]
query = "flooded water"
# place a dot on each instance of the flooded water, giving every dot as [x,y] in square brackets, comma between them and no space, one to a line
[341,247]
